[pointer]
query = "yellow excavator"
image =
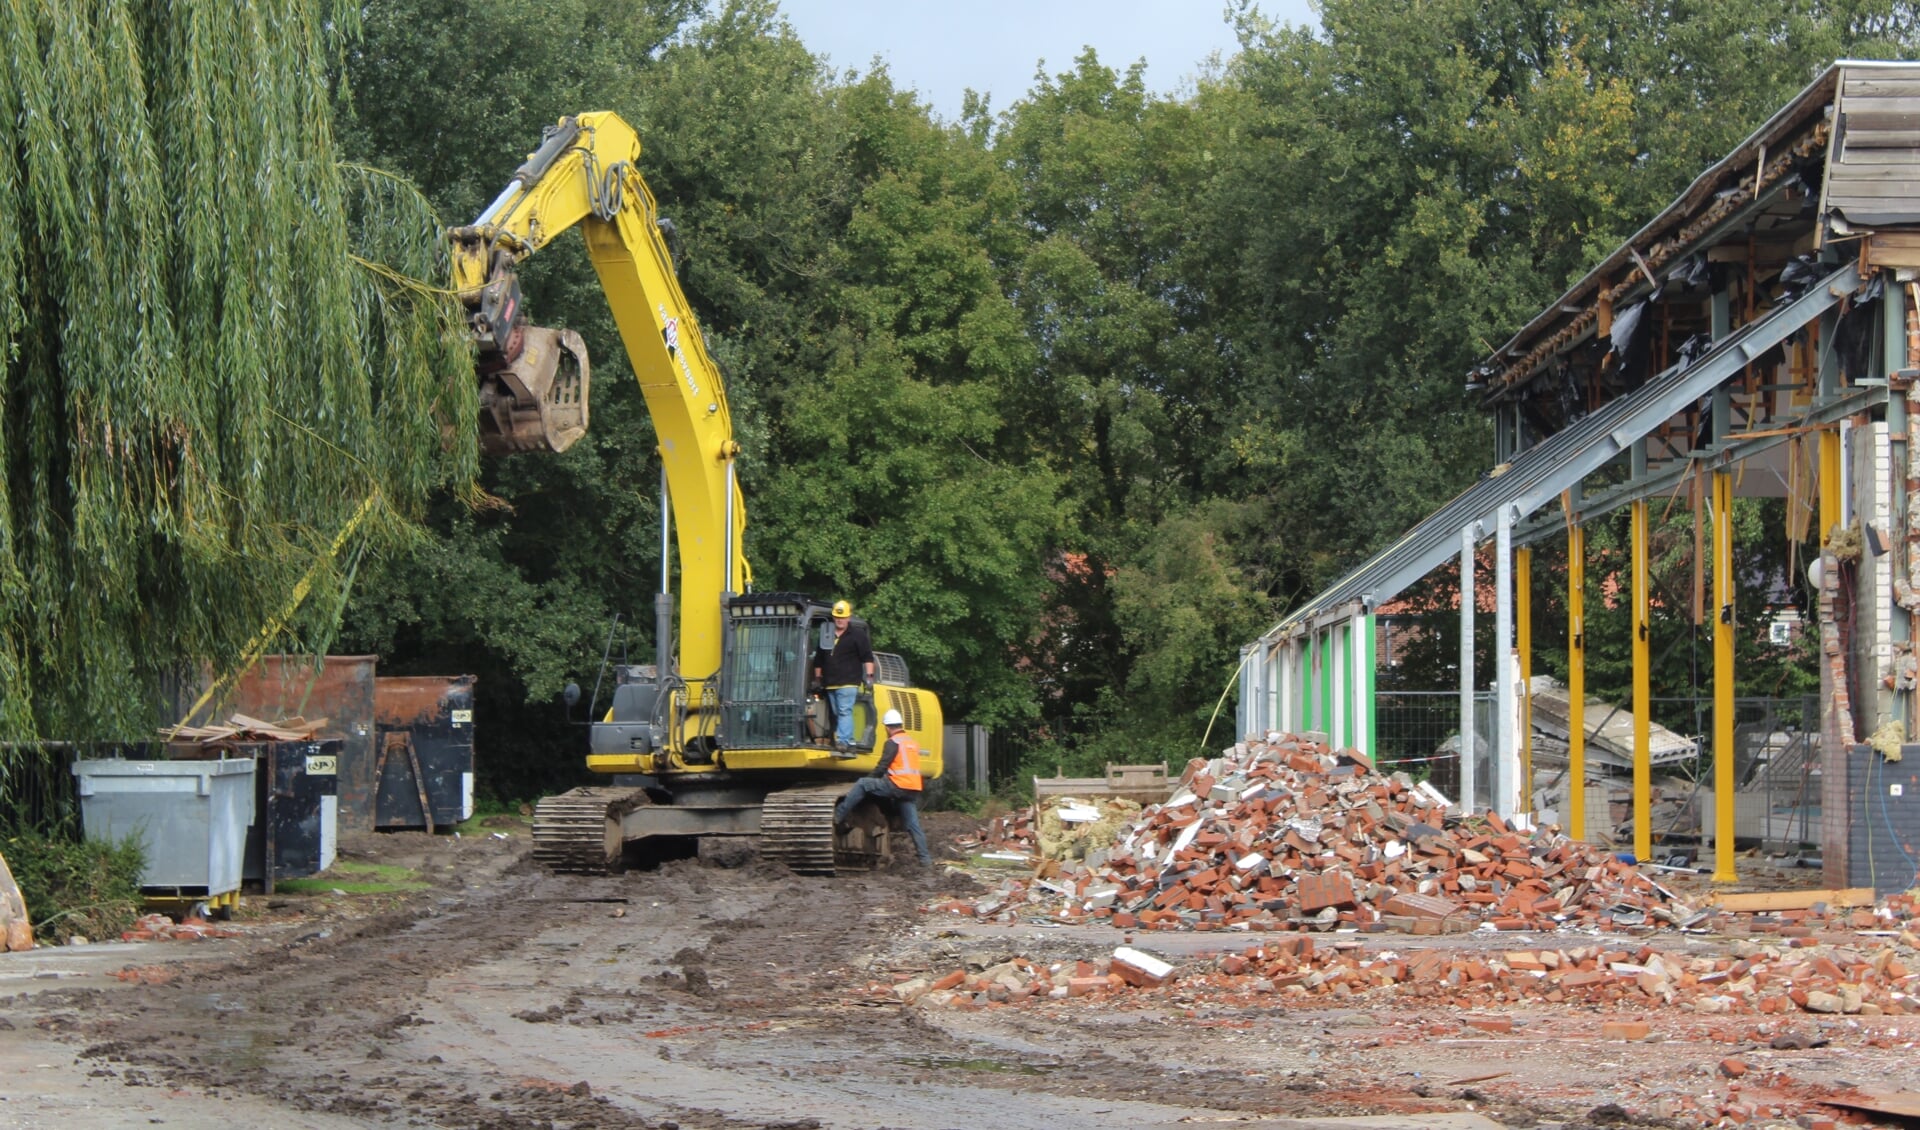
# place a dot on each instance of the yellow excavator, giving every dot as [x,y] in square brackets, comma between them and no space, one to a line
[723,738]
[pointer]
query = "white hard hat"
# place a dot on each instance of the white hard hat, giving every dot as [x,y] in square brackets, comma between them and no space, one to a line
[892,718]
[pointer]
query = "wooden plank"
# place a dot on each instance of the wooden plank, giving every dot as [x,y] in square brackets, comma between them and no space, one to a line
[1870,89]
[1873,194]
[1847,174]
[1861,111]
[1880,82]
[1879,139]
[1794,900]
[1899,158]
[1902,1104]
[1894,249]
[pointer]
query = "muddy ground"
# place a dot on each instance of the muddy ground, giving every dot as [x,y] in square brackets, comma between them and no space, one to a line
[725,992]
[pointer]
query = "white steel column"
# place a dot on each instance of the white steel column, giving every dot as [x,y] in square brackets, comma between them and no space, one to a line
[1506,746]
[1289,676]
[1360,679]
[1338,646]
[1263,720]
[1465,799]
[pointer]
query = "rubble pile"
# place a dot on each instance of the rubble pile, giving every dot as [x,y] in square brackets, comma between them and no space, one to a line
[1287,833]
[1070,828]
[160,928]
[1755,979]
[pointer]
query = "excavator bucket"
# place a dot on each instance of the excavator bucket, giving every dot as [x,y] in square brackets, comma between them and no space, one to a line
[16,929]
[538,401]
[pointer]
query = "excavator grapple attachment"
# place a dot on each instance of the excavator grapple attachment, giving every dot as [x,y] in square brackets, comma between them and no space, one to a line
[537,401]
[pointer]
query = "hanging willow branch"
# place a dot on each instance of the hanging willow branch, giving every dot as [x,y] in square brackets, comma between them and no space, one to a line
[212,347]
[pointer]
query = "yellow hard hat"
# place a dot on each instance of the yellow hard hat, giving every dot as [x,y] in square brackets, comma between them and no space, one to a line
[842,608]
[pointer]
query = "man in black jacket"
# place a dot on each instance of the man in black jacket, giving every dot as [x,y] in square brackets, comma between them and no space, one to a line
[843,666]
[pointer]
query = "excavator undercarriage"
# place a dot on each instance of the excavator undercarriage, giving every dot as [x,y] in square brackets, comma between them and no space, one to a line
[589,831]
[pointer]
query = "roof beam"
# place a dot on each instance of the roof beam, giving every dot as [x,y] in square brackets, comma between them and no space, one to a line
[1538,475]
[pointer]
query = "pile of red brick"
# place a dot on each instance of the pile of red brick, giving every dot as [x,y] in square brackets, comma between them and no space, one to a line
[160,928]
[1287,832]
[1292,969]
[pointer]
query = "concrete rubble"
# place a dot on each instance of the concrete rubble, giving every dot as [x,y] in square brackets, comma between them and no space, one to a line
[1363,891]
[1756,979]
[1287,833]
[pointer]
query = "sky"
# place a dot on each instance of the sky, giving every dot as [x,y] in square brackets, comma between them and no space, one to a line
[941,48]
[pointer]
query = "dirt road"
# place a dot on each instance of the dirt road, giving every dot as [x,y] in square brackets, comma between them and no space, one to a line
[702,995]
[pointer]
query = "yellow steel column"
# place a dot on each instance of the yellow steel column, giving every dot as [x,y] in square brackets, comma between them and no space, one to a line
[1523,633]
[1829,477]
[1577,682]
[1642,691]
[1723,852]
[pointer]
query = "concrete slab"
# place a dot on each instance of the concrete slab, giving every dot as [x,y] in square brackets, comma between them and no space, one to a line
[47,968]
[1465,1120]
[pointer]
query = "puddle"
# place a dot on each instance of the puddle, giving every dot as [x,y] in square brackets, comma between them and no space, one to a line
[954,1063]
[245,1047]
[239,1045]
[213,1002]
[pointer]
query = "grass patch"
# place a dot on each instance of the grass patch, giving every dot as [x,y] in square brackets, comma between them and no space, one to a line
[487,823]
[492,814]
[356,878]
[87,887]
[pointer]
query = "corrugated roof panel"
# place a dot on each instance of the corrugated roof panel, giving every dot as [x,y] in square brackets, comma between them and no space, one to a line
[1538,475]
[1809,105]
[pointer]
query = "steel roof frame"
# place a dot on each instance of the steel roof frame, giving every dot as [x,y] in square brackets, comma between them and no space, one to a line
[1538,476]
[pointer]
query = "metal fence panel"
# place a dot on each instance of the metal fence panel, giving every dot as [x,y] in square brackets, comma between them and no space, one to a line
[1419,732]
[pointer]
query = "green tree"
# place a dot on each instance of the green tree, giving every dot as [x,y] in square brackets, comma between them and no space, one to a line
[833,243]
[1408,184]
[520,592]
[900,481]
[220,376]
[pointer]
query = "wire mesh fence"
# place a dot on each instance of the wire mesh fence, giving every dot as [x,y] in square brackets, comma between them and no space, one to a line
[1418,732]
[1776,765]
[1775,750]
[38,793]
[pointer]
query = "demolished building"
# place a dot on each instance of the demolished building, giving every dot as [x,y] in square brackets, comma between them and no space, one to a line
[1760,336]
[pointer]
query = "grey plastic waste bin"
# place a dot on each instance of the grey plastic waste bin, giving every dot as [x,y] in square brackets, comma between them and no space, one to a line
[191,816]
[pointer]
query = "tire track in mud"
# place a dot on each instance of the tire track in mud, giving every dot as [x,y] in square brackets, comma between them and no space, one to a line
[307,1021]
[767,969]
[313,1016]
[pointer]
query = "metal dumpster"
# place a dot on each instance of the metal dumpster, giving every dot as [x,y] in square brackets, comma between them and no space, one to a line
[424,750]
[341,691]
[296,814]
[190,816]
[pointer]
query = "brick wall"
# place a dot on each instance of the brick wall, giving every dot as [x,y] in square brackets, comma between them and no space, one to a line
[1872,655]
[1834,808]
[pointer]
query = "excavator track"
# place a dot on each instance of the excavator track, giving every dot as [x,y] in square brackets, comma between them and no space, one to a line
[579,831]
[797,829]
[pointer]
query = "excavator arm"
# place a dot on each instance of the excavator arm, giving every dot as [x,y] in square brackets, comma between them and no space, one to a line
[731,742]
[534,381]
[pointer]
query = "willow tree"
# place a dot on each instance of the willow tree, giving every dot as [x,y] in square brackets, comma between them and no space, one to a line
[221,379]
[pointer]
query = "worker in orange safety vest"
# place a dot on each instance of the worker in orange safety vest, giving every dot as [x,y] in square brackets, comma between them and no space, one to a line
[897,778]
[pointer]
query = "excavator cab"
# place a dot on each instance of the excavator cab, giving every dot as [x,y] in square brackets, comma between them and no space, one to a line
[764,676]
